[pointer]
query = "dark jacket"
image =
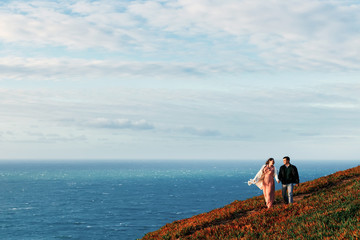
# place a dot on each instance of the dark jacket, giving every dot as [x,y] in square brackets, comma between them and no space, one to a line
[292,177]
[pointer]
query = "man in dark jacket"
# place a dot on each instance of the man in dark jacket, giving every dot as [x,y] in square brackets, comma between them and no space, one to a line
[288,175]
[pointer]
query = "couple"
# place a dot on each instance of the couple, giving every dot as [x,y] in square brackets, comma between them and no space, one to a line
[264,179]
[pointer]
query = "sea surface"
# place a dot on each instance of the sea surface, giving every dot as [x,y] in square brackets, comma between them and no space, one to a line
[123,199]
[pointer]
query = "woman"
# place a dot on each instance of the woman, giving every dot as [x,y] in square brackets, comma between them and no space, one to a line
[264,179]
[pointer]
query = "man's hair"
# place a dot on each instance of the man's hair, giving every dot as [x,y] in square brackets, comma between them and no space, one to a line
[287,158]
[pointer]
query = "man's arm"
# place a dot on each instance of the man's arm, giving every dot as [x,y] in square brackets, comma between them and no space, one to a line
[296,175]
[280,175]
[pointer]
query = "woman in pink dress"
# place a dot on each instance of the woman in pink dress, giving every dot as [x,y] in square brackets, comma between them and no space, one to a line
[269,172]
[264,179]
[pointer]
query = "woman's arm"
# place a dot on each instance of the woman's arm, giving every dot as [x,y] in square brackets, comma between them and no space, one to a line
[257,176]
[276,174]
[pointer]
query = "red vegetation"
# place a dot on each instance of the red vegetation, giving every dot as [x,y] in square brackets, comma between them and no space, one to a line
[325,208]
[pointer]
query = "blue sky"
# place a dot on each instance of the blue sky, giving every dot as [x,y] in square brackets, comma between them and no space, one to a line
[179,79]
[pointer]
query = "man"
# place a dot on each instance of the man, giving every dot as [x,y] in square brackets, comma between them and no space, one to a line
[288,175]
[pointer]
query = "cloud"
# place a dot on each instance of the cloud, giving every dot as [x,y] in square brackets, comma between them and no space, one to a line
[55,138]
[202,132]
[240,114]
[17,68]
[44,23]
[120,124]
[40,137]
[185,119]
[248,35]
[283,34]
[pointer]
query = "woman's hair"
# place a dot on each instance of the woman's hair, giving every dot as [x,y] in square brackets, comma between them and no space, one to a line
[270,159]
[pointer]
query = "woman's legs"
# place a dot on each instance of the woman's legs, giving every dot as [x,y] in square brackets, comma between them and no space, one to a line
[269,194]
[266,193]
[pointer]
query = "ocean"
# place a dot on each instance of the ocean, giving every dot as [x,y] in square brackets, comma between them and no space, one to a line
[123,199]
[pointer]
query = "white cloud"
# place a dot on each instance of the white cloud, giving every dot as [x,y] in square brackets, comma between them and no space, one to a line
[203,132]
[18,68]
[180,118]
[44,23]
[53,138]
[120,124]
[304,35]
[285,34]
[336,105]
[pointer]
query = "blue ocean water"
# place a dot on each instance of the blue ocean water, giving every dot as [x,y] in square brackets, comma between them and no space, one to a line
[123,200]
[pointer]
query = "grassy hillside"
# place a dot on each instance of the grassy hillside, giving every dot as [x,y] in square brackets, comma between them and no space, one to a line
[325,208]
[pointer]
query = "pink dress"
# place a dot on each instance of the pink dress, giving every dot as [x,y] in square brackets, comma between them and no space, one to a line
[269,185]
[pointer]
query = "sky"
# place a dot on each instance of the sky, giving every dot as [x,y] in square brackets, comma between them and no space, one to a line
[179,79]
